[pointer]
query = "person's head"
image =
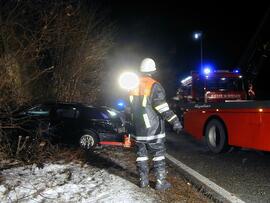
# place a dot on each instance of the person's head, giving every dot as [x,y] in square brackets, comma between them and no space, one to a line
[148,66]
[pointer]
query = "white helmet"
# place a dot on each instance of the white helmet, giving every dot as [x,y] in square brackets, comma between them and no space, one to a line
[148,65]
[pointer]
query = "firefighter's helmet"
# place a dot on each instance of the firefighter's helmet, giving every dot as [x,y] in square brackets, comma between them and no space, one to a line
[148,65]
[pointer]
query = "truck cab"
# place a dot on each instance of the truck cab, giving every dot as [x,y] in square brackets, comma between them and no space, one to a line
[216,86]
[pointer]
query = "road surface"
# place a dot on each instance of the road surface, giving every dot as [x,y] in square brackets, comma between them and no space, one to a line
[243,172]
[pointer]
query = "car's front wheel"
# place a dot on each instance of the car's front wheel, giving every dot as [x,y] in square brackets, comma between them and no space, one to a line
[88,140]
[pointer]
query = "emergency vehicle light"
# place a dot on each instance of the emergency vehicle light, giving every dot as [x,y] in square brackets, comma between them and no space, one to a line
[207,71]
[121,104]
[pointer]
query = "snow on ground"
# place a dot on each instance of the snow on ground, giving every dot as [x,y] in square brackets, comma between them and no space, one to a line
[68,183]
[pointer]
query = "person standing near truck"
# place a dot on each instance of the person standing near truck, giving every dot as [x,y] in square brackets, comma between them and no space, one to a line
[149,109]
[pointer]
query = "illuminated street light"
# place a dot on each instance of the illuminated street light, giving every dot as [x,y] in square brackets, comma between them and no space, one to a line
[199,36]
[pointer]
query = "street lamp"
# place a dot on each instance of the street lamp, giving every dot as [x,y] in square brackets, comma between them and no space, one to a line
[199,36]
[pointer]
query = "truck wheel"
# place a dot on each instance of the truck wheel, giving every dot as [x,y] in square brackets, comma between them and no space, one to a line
[88,140]
[216,136]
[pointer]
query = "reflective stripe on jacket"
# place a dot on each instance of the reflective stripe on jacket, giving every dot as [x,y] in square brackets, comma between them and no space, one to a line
[149,109]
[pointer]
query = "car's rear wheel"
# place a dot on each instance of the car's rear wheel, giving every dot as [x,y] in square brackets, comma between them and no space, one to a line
[216,136]
[88,140]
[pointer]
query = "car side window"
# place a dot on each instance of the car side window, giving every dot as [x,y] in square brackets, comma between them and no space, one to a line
[66,112]
[39,110]
[96,114]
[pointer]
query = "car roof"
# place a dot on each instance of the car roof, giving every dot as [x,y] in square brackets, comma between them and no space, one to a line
[73,104]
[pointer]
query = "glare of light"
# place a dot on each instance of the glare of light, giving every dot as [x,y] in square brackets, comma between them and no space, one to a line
[206,70]
[236,71]
[112,113]
[197,35]
[121,104]
[128,80]
[240,76]
[223,78]
[260,110]
[217,109]
[186,79]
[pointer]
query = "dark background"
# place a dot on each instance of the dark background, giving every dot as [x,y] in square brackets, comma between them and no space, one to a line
[163,31]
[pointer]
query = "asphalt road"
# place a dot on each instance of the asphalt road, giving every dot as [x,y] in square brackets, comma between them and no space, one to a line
[243,172]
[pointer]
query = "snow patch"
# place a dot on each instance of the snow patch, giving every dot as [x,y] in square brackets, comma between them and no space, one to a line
[68,183]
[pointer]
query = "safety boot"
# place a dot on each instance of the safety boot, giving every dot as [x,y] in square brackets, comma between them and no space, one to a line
[162,185]
[144,181]
[160,174]
[143,170]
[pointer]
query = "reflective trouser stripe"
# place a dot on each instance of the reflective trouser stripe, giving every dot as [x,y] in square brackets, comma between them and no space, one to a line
[131,98]
[144,101]
[162,107]
[152,137]
[173,117]
[146,121]
[142,158]
[158,158]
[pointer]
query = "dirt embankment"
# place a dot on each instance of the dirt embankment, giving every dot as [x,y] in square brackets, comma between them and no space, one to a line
[122,163]
[73,168]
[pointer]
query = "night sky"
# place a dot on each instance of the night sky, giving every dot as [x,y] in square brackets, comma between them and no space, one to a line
[164,30]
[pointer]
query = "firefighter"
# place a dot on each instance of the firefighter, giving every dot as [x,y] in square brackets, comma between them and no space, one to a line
[149,109]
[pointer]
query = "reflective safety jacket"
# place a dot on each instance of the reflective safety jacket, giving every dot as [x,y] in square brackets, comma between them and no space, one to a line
[149,110]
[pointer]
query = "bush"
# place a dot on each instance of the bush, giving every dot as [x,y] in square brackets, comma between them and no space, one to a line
[49,50]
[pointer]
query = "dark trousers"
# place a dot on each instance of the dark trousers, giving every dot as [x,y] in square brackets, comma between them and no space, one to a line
[157,152]
[153,149]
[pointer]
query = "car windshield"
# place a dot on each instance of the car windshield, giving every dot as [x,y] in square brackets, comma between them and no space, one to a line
[225,84]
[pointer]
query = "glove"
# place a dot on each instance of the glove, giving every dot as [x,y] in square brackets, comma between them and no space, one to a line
[177,127]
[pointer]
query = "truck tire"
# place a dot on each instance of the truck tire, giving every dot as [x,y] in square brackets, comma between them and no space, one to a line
[88,140]
[216,136]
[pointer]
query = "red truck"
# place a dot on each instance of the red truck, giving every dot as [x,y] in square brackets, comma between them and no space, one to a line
[214,107]
[217,86]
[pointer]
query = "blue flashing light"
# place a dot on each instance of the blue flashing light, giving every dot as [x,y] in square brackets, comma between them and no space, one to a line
[236,71]
[120,104]
[206,71]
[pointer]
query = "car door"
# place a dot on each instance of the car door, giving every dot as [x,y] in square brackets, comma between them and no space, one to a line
[102,124]
[65,124]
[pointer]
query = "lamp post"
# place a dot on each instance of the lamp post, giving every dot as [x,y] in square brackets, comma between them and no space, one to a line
[199,36]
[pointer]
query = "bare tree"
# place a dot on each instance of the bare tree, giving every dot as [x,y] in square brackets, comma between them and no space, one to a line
[51,50]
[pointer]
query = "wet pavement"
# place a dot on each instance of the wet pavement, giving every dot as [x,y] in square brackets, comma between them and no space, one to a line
[243,172]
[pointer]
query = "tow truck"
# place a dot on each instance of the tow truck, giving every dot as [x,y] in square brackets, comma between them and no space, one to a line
[213,106]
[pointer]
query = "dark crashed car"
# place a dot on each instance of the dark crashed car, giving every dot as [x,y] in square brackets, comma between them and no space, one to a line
[88,126]
[71,123]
